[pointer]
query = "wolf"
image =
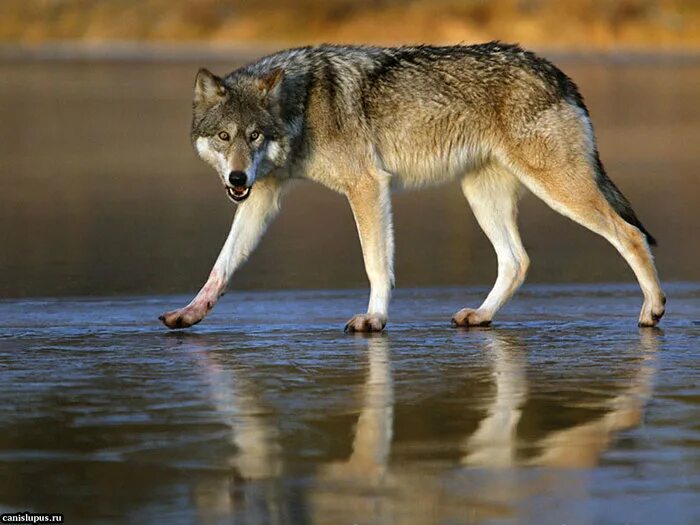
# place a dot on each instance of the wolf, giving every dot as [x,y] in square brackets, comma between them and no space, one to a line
[365,120]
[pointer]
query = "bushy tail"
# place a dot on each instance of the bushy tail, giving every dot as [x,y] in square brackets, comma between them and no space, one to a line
[618,201]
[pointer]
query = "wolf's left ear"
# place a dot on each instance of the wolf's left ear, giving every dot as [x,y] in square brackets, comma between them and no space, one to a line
[269,84]
[208,88]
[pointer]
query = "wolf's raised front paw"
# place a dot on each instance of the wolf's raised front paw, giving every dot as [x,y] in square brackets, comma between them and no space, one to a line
[182,318]
[469,317]
[366,323]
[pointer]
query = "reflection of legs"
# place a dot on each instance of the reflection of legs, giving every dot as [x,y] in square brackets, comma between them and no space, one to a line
[582,445]
[239,407]
[373,432]
[370,449]
[360,489]
[493,196]
[245,485]
[494,442]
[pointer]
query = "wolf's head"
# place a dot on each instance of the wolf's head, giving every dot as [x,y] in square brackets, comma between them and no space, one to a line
[237,128]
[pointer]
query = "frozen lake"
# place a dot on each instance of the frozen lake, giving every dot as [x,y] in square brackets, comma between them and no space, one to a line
[563,412]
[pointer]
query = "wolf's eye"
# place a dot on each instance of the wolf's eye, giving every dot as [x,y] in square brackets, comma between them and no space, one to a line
[255,135]
[224,136]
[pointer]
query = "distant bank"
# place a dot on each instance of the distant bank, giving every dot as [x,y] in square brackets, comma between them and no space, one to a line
[238,52]
[553,24]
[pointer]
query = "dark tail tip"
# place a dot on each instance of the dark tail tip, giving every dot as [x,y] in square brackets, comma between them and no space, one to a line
[650,238]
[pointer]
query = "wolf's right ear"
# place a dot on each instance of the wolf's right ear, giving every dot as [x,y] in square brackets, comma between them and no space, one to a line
[208,88]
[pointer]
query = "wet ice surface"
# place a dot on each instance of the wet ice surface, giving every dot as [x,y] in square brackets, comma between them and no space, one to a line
[563,412]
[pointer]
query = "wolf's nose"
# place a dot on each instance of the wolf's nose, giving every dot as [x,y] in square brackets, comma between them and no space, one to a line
[237,178]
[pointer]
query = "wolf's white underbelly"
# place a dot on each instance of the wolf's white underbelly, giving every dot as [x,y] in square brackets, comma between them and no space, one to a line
[413,169]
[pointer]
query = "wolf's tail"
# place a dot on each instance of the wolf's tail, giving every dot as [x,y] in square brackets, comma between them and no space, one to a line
[618,201]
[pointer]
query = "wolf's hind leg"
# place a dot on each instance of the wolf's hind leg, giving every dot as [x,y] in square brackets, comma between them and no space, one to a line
[572,190]
[493,194]
[370,201]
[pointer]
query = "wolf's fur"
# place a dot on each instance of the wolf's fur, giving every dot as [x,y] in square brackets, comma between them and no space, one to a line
[363,120]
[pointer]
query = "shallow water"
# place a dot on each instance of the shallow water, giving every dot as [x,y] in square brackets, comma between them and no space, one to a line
[563,412]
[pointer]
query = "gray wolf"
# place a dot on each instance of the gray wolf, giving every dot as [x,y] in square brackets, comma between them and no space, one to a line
[363,120]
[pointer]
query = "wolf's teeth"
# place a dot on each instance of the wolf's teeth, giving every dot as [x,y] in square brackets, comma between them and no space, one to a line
[237,196]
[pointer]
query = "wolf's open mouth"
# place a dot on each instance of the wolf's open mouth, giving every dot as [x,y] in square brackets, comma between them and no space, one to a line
[238,193]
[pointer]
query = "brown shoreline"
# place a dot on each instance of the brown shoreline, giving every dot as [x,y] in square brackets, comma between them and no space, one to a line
[122,51]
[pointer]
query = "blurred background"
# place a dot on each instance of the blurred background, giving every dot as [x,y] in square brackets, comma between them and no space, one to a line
[574,24]
[102,193]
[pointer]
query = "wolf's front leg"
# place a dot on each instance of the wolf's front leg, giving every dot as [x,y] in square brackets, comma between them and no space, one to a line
[250,222]
[370,201]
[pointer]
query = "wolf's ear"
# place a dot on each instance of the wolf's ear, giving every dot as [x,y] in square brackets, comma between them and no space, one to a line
[269,84]
[208,88]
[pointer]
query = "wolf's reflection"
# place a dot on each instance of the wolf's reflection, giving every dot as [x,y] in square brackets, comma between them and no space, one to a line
[255,463]
[368,487]
[582,445]
[372,442]
[340,488]
[494,444]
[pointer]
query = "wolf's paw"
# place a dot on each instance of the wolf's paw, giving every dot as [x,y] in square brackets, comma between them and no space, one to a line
[469,317]
[652,313]
[182,318]
[366,323]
